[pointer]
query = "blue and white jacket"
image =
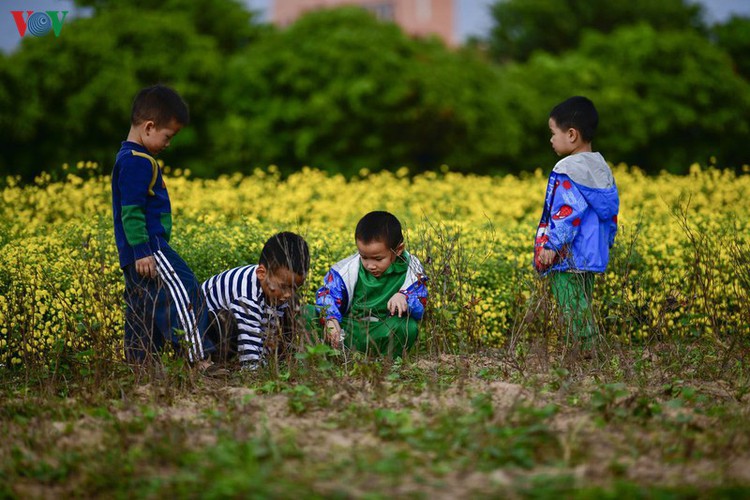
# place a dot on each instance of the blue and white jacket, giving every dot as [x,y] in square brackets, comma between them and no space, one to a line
[333,298]
[579,220]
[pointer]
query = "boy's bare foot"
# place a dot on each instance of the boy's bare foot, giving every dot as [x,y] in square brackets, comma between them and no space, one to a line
[204,364]
[211,369]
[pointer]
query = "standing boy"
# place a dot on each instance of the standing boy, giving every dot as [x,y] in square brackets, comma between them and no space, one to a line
[247,304]
[579,219]
[162,296]
[374,298]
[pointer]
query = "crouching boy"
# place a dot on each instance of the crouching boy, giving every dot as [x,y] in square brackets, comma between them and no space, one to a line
[247,305]
[373,300]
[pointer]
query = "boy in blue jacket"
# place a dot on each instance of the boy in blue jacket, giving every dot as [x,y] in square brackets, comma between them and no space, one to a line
[579,219]
[373,299]
[163,300]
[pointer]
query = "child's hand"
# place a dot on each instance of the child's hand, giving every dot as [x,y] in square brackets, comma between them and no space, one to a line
[398,304]
[146,267]
[333,332]
[547,257]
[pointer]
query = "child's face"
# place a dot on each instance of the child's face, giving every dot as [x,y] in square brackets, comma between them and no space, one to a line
[377,257]
[157,139]
[279,286]
[563,141]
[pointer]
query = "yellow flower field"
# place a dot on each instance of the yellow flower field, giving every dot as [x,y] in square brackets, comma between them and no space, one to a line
[679,266]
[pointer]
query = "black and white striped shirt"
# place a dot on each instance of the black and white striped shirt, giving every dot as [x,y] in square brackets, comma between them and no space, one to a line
[238,290]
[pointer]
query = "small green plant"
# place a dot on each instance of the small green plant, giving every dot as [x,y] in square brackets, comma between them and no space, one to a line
[606,401]
[301,399]
[318,358]
[560,379]
[393,424]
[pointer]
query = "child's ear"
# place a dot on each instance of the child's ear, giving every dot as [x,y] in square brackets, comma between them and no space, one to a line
[399,249]
[573,135]
[261,272]
[149,126]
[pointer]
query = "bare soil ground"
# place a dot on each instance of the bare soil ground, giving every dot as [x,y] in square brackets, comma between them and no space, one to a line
[444,427]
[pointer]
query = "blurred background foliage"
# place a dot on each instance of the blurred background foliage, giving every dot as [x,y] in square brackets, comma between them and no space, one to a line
[341,91]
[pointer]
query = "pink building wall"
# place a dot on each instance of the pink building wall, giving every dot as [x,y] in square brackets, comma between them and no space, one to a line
[416,17]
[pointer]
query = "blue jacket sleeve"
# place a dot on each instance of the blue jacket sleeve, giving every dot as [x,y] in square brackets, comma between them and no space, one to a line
[134,180]
[416,297]
[332,296]
[566,214]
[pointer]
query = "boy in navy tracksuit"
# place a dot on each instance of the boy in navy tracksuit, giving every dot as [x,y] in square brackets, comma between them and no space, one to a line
[579,219]
[163,299]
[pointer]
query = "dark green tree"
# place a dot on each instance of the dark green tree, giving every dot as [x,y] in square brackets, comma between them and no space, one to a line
[665,100]
[68,98]
[554,26]
[734,37]
[228,22]
[343,91]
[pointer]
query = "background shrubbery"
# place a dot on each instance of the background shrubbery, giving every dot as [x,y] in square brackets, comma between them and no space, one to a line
[340,91]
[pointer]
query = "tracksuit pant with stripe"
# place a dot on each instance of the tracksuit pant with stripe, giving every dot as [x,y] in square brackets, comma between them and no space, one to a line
[167,309]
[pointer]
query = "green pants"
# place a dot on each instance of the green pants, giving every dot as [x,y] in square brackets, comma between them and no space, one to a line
[388,336]
[573,293]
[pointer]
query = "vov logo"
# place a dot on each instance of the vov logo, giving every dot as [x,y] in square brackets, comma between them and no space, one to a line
[39,23]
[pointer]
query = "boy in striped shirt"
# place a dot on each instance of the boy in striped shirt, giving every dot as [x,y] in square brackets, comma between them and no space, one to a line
[162,295]
[247,304]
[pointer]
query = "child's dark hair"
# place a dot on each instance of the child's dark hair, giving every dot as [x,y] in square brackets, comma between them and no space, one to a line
[287,250]
[161,105]
[579,113]
[380,226]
